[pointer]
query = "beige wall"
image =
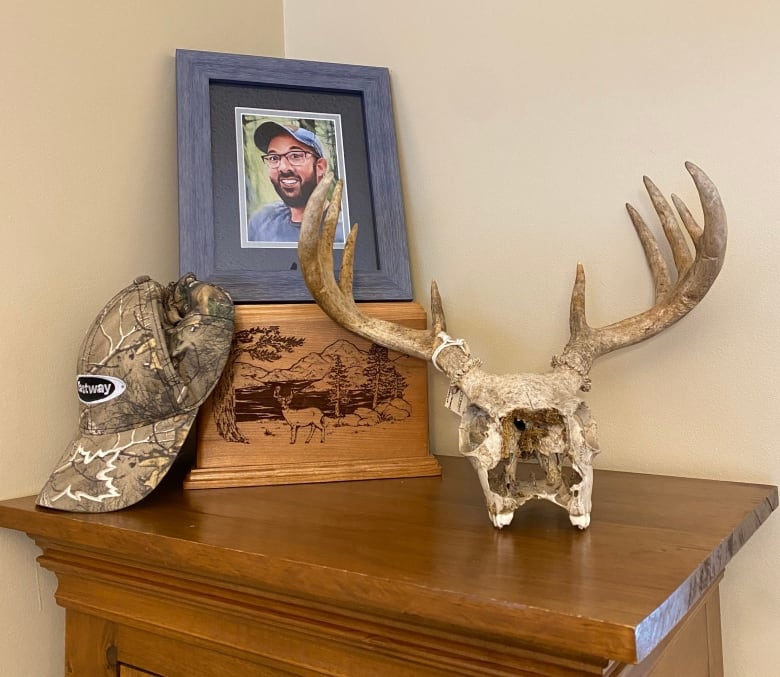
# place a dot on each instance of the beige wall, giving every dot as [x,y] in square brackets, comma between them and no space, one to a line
[523,128]
[89,201]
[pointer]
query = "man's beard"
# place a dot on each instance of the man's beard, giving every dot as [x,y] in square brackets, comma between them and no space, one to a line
[299,194]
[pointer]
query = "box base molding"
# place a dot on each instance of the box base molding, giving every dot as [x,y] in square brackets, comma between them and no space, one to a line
[328,471]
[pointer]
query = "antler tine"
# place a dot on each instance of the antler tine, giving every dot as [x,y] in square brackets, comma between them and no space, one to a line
[656,261]
[674,235]
[315,252]
[693,228]
[695,275]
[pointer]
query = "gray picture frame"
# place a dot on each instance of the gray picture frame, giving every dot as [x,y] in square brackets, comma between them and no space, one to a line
[206,242]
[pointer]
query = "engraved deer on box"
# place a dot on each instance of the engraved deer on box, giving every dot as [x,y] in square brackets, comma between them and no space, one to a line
[530,417]
[307,417]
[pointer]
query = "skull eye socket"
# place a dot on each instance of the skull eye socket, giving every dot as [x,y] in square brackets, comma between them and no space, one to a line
[474,428]
[478,430]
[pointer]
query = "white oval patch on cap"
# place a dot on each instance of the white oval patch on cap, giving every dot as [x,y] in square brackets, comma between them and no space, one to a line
[95,389]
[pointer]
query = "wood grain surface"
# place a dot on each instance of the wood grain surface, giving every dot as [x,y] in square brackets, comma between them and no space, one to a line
[419,556]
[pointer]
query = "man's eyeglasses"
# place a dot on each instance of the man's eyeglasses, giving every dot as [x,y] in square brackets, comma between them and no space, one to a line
[294,157]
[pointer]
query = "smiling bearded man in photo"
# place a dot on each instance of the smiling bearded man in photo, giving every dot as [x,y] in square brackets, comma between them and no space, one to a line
[296,163]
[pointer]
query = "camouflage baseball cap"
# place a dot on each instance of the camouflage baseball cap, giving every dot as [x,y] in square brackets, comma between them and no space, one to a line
[148,362]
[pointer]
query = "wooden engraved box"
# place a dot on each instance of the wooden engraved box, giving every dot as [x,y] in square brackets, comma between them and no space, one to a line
[303,400]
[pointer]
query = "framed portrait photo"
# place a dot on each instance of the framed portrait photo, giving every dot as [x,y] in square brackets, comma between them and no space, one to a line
[255,136]
[281,154]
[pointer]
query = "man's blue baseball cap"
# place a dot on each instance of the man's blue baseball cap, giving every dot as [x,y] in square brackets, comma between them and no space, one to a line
[269,130]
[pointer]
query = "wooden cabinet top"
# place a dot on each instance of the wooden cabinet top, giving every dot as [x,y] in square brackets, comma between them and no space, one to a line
[422,551]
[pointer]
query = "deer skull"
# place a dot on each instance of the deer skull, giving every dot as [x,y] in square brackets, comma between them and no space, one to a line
[507,419]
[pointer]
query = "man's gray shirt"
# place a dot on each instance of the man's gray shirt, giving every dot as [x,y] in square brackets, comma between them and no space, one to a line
[273,224]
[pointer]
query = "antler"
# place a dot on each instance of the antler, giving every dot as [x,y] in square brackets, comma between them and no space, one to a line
[673,300]
[695,275]
[315,251]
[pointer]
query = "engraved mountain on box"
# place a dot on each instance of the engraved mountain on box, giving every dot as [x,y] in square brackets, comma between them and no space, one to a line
[312,367]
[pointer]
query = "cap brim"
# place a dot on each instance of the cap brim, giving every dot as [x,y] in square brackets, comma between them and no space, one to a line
[101,473]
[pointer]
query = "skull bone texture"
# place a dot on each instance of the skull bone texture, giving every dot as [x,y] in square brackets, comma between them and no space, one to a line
[510,419]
